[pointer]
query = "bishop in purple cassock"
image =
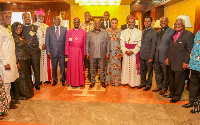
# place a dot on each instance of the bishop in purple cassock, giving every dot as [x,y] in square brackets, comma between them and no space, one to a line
[75,50]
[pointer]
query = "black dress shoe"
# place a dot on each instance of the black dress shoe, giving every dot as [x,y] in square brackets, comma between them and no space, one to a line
[141,86]
[188,105]
[12,106]
[92,85]
[146,88]
[37,87]
[168,96]
[54,83]
[63,83]
[47,82]
[173,101]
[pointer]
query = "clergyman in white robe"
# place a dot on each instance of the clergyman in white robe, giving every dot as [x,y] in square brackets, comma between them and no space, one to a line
[131,41]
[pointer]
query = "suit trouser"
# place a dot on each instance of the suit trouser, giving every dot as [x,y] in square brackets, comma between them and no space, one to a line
[14,91]
[87,65]
[54,61]
[162,75]
[145,67]
[93,65]
[35,63]
[194,85]
[176,83]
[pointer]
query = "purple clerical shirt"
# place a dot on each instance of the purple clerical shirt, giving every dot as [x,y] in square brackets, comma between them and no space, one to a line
[176,36]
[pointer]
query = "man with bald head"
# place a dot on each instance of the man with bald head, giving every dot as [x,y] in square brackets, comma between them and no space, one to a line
[106,22]
[30,35]
[161,70]
[8,66]
[97,50]
[55,49]
[178,58]
[75,50]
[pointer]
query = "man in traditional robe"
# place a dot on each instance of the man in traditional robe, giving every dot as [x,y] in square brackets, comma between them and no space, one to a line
[130,46]
[147,54]
[87,25]
[55,49]
[106,22]
[97,50]
[75,49]
[161,70]
[30,35]
[41,33]
[8,66]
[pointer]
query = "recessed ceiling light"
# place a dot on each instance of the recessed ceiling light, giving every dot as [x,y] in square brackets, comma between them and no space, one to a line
[138,1]
[8,2]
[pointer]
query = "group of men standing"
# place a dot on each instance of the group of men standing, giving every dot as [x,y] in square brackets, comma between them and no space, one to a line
[168,50]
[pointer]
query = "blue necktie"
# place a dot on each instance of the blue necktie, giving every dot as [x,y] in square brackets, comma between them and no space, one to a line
[57,33]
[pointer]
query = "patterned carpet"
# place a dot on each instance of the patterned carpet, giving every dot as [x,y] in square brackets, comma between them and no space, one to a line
[98,106]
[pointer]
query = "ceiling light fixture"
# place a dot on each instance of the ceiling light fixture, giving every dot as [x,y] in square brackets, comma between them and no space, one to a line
[98,2]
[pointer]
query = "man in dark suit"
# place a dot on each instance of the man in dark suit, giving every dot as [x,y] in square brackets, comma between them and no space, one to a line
[147,53]
[29,31]
[106,23]
[55,49]
[178,58]
[125,26]
[161,70]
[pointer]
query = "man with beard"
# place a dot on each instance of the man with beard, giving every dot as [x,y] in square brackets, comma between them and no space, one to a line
[41,33]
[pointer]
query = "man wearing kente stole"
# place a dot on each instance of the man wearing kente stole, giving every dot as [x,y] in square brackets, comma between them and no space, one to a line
[130,46]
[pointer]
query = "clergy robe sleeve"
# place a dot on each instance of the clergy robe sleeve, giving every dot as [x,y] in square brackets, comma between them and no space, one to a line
[2,57]
[84,41]
[67,43]
[137,47]
[47,40]
[122,42]
[189,45]
[88,43]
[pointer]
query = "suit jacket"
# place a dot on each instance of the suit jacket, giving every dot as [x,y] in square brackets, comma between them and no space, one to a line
[179,52]
[163,45]
[54,46]
[102,25]
[148,45]
[123,27]
[97,42]
[30,35]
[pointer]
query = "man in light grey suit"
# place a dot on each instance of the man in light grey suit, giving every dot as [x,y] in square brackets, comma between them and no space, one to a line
[97,49]
[147,53]
[161,70]
[55,49]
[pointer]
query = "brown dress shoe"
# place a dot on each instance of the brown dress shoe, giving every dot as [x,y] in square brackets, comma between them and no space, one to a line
[103,84]
[92,85]
[162,92]
[12,106]
[156,90]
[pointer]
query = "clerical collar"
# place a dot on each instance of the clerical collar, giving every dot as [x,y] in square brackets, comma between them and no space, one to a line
[164,28]
[76,29]
[27,25]
[179,32]
[148,28]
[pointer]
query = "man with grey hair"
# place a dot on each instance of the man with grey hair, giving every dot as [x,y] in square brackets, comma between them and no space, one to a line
[178,58]
[8,66]
[30,35]
[55,49]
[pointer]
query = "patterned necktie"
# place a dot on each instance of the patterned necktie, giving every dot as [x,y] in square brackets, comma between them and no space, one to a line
[57,33]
